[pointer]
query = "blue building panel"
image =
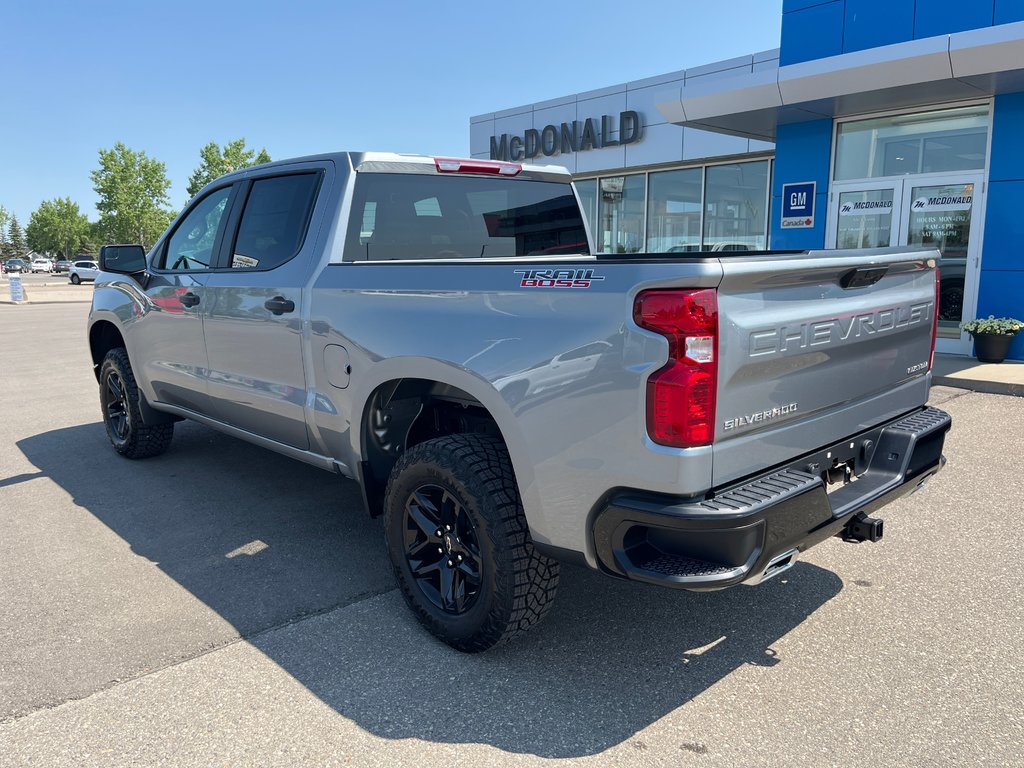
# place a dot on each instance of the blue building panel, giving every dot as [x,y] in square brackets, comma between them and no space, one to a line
[869,23]
[815,32]
[802,153]
[1007,162]
[1009,11]
[1004,240]
[1001,288]
[943,17]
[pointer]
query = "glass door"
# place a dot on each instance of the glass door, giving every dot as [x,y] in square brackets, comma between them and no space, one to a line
[939,211]
[944,215]
[865,215]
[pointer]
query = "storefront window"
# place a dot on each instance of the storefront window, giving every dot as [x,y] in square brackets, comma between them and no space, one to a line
[712,208]
[674,211]
[735,207]
[928,142]
[587,190]
[621,220]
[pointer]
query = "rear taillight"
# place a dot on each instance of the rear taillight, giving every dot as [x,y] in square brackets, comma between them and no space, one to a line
[455,165]
[681,395]
[935,322]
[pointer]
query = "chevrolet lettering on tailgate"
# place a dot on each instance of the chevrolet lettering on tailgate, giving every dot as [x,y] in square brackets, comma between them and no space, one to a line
[823,333]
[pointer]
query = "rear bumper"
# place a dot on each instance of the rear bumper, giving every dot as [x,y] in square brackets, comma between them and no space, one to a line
[748,532]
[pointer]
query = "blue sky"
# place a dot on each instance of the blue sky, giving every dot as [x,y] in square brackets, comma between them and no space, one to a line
[313,76]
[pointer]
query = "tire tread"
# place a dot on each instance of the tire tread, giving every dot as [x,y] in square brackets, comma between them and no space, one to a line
[529,591]
[145,440]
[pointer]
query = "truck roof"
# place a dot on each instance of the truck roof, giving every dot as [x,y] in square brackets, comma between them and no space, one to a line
[397,162]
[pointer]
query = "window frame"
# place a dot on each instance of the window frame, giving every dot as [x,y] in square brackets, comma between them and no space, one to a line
[704,167]
[350,209]
[988,103]
[226,252]
[160,257]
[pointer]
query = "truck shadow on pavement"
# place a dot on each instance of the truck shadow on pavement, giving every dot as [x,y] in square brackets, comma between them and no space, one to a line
[264,541]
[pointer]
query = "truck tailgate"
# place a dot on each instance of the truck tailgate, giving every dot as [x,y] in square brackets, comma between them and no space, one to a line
[816,347]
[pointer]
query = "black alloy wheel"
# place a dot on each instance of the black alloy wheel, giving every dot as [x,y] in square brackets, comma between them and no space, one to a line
[118,414]
[120,403]
[459,543]
[441,549]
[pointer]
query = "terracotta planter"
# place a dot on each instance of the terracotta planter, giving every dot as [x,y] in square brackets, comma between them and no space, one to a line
[992,347]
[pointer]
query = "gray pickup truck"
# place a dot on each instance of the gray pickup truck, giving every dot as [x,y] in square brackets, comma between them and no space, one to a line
[441,331]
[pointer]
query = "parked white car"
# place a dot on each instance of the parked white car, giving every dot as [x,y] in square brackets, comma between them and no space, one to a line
[42,265]
[83,270]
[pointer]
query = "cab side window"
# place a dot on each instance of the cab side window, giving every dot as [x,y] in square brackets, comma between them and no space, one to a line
[274,222]
[191,245]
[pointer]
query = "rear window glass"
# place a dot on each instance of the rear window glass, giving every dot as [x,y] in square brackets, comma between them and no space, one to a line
[408,216]
[274,221]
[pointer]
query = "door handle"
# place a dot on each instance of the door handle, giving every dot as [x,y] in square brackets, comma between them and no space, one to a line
[279,305]
[189,299]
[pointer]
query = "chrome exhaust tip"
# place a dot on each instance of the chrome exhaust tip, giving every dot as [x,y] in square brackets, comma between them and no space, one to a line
[778,564]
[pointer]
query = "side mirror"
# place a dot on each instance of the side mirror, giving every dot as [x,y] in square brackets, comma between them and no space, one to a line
[124,259]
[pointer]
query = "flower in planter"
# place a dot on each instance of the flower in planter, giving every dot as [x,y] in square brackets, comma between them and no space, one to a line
[996,326]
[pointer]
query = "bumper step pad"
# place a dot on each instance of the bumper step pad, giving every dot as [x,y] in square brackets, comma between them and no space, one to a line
[682,567]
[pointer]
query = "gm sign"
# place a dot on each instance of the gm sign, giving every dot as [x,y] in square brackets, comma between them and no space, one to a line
[798,205]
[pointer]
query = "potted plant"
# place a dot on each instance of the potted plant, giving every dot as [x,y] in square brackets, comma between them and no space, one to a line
[992,336]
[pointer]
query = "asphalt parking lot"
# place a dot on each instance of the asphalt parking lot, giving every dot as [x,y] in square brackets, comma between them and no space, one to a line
[222,605]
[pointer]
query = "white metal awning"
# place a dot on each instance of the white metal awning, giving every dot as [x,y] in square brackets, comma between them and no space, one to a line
[965,65]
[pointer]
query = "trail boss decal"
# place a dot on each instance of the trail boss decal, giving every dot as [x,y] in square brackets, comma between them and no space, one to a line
[556,278]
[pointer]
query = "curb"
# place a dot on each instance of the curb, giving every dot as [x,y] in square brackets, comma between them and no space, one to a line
[980,385]
[76,300]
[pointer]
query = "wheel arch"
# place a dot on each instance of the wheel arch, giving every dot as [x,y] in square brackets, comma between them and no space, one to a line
[401,411]
[103,337]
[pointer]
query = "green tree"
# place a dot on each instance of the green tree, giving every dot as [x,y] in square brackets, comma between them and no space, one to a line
[5,218]
[132,191]
[15,244]
[4,223]
[57,226]
[93,240]
[217,161]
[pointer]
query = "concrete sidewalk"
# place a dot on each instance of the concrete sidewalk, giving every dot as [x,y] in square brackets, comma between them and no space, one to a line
[967,373]
[56,290]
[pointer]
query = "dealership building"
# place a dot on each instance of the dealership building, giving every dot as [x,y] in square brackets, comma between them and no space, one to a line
[875,123]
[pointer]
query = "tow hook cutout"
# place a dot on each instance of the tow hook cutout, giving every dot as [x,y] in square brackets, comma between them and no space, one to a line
[862,528]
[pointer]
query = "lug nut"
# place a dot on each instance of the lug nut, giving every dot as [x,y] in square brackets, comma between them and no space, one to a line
[440,550]
[450,563]
[447,527]
[460,558]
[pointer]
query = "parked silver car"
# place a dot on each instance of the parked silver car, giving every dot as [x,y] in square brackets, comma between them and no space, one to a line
[83,270]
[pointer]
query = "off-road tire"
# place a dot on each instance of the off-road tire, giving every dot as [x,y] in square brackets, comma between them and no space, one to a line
[129,436]
[517,584]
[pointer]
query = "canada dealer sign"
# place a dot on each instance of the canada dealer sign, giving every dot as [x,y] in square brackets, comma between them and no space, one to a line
[798,205]
[577,136]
